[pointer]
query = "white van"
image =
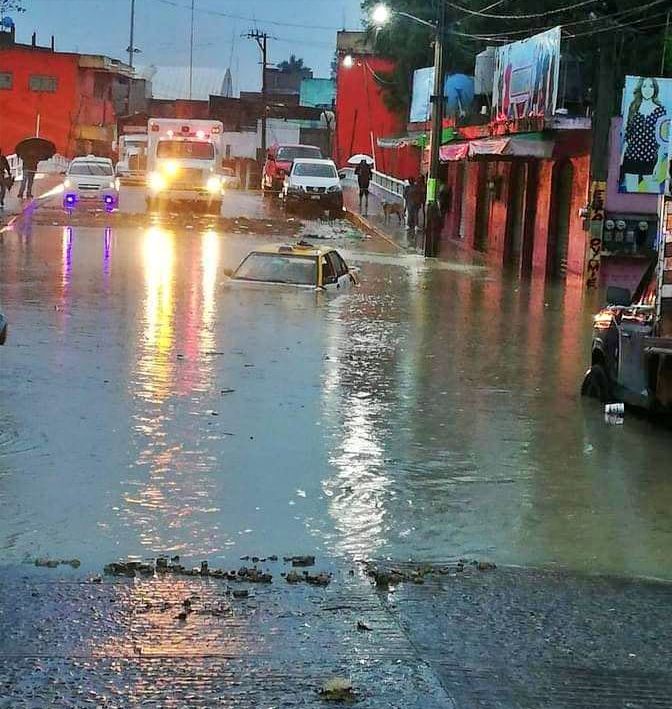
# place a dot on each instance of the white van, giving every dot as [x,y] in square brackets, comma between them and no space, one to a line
[184,159]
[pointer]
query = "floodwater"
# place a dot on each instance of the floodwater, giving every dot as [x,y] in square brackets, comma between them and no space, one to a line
[147,406]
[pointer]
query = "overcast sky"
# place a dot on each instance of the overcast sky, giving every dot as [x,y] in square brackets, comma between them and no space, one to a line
[162,30]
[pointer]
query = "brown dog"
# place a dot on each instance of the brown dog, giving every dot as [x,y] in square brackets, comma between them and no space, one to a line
[390,208]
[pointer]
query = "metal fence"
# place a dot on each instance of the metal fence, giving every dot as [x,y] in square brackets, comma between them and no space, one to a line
[382,185]
[55,165]
[390,185]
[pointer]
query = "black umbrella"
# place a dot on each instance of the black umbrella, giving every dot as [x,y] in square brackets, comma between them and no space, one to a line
[35,149]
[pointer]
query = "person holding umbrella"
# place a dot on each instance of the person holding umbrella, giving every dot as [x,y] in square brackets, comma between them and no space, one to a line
[5,178]
[29,170]
[32,151]
[363,172]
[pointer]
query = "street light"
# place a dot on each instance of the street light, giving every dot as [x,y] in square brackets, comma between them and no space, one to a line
[380,16]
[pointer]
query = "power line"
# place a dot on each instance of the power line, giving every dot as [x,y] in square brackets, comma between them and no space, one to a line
[531,16]
[253,20]
[619,14]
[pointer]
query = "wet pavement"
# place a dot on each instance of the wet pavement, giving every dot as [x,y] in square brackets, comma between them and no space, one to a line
[147,407]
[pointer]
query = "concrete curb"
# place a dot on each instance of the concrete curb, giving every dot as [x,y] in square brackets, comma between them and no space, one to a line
[365,225]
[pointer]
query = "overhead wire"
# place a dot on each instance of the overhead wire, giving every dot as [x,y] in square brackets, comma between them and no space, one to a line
[529,16]
[230,16]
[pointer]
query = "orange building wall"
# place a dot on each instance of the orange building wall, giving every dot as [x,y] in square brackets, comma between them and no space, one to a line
[19,106]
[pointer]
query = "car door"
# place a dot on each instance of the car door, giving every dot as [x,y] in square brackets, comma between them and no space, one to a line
[338,271]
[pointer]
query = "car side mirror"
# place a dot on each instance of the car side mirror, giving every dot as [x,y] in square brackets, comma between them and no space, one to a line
[618,296]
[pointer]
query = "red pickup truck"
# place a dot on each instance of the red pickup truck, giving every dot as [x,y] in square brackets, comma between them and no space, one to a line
[279,162]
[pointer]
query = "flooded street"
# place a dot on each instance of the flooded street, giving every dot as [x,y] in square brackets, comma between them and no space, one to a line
[148,406]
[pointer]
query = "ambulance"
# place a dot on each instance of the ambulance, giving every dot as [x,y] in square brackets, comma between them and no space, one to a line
[184,163]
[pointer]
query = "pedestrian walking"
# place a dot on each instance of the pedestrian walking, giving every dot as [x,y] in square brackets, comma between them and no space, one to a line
[410,185]
[363,172]
[413,198]
[5,178]
[422,199]
[29,170]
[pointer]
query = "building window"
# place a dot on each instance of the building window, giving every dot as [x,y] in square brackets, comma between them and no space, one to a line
[6,80]
[48,84]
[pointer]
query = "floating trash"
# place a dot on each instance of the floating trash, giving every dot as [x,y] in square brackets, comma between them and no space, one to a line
[613,414]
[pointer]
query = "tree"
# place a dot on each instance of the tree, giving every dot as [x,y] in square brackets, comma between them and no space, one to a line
[637,29]
[294,66]
[7,6]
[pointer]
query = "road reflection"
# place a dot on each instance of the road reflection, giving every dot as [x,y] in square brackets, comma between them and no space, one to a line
[169,486]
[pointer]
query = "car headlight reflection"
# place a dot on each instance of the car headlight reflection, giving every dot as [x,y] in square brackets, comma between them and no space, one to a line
[156,182]
[214,184]
[170,167]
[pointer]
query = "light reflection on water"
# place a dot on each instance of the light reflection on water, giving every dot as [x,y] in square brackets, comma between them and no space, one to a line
[167,498]
[431,413]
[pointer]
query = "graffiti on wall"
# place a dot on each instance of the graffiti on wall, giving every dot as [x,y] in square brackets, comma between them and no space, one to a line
[598,191]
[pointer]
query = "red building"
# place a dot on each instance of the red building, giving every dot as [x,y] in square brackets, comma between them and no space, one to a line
[71,99]
[361,114]
[517,199]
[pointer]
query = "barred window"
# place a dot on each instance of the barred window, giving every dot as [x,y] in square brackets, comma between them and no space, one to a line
[43,83]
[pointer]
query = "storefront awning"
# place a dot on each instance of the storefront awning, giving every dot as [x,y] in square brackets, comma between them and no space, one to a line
[456,151]
[531,146]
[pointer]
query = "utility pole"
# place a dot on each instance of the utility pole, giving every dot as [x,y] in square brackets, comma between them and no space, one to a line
[605,99]
[261,38]
[666,39]
[131,48]
[433,216]
[191,50]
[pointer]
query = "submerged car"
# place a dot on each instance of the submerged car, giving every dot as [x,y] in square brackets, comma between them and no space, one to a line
[315,183]
[302,265]
[90,180]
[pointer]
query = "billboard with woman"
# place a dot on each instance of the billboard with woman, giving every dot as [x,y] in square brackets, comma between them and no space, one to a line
[645,144]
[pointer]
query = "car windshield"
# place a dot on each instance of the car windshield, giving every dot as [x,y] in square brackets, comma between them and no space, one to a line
[91,168]
[190,149]
[312,169]
[278,268]
[294,152]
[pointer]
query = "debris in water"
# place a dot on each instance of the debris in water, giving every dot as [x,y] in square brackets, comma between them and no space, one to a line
[338,689]
[613,414]
[241,593]
[306,560]
[361,625]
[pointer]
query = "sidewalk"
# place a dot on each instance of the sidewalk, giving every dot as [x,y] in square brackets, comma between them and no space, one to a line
[14,206]
[391,229]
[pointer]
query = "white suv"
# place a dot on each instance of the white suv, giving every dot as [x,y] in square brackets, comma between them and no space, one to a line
[313,182]
[90,179]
